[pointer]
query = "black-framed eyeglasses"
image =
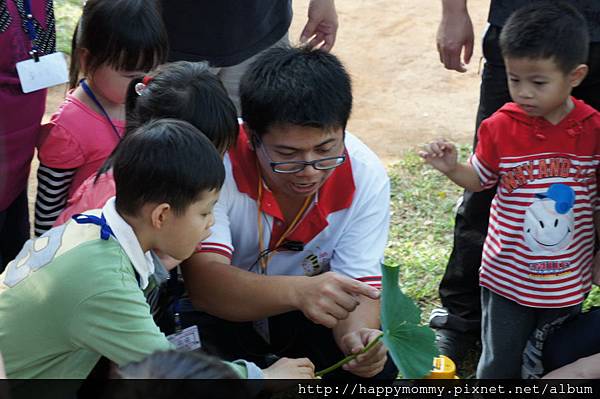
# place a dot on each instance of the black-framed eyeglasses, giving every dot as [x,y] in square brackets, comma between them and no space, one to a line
[298,166]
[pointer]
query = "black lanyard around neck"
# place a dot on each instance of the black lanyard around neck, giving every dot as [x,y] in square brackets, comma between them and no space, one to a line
[92,96]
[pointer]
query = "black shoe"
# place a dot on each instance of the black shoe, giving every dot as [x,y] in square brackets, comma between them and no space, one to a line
[456,345]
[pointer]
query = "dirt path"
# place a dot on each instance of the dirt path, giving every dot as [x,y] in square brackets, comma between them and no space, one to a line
[402,93]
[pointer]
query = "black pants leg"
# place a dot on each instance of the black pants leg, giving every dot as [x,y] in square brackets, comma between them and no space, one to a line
[573,340]
[589,89]
[14,229]
[459,288]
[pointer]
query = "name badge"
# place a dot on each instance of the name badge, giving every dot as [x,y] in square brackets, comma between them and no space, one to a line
[187,339]
[50,70]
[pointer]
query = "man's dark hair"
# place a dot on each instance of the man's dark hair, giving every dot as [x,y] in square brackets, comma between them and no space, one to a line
[295,86]
[547,30]
[165,161]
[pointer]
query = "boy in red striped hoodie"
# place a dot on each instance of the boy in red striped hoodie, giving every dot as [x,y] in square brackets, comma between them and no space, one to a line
[543,151]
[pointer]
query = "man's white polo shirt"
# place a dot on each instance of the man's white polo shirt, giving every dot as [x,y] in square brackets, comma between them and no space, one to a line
[344,230]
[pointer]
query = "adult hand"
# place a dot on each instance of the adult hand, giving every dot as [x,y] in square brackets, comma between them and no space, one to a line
[455,36]
[367,364]
[290,369]
[322,25]
[329,297]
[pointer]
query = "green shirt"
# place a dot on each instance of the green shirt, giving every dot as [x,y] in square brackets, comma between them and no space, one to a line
[70,297]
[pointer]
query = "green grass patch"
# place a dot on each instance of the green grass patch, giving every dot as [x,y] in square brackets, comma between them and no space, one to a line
[66,13]
[423,204]
[593,299]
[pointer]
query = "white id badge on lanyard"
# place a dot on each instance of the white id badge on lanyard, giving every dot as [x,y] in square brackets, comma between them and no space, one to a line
[187,339]
[50,70]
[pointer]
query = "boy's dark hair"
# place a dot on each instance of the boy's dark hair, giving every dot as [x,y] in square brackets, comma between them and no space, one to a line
[165,161]
[295,86]
[187,91]
[547,30]
[128,35]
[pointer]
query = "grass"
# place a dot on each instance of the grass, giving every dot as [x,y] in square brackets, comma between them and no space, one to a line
[422,218]
[66,13]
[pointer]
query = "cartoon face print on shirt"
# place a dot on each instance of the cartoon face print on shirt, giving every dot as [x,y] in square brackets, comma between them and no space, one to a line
[549,220]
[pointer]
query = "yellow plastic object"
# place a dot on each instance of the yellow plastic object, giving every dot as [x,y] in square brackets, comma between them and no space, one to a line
[443,369]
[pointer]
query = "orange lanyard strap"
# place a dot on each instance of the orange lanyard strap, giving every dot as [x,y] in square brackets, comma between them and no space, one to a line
[264,259]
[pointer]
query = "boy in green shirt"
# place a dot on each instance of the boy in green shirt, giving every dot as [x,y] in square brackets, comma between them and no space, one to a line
[75,294]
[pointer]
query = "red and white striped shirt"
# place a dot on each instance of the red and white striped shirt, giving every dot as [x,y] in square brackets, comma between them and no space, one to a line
[539,247]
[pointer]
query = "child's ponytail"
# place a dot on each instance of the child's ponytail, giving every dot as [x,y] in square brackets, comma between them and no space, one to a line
[133,120]
[131,98]
[74,65]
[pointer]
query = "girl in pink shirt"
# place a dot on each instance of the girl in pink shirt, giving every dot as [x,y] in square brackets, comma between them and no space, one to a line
[181,90]
[114,42]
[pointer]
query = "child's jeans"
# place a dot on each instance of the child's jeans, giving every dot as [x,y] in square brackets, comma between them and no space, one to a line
[506,327]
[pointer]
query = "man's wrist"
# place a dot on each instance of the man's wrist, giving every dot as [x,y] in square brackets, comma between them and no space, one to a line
[293,293]
[339,332]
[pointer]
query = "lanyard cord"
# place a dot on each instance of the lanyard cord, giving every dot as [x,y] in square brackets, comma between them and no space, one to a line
[92,97]
[264,260]
[31,30]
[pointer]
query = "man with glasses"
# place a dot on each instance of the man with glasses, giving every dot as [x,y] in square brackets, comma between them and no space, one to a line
[302,218]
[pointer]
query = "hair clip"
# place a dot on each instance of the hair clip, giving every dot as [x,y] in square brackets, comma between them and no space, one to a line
[140,88]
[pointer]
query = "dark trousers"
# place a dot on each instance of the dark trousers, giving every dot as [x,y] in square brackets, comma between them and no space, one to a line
[14,229]
[459,288]
[575,339]
[291,335]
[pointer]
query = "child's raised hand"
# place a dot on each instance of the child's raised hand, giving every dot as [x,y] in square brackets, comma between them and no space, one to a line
[440,154]
[290,369]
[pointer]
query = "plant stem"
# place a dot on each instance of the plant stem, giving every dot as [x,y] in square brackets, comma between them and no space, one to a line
[348,358]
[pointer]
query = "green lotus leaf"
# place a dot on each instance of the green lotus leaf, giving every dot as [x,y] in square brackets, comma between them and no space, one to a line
[410,344]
